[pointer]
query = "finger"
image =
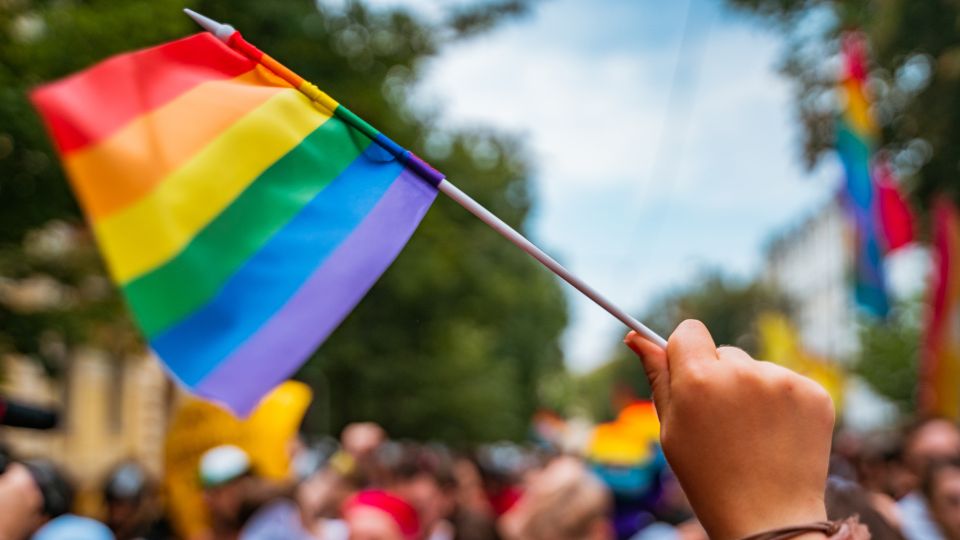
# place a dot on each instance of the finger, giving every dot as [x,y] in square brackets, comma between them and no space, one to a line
[733,354]
[689,348]
[654,360]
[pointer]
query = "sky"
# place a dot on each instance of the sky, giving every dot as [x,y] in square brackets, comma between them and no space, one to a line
[663,138]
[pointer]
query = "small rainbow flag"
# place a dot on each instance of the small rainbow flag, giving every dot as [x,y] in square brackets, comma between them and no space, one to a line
[881,219]
[625,453]
[940,367]
[243,212]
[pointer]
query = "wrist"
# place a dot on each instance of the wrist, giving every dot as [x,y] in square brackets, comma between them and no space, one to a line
[760,522]
[817,530]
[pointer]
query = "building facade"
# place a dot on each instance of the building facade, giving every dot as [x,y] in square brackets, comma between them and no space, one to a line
[111,410]
[810,263]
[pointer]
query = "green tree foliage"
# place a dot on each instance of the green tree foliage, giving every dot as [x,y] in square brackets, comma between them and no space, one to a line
[889,356]
[730,309]
[454,340]
[915,79]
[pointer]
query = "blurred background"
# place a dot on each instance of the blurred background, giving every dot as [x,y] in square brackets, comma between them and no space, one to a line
[682,157]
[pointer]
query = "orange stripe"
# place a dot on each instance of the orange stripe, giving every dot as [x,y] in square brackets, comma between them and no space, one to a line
[129,164]
[282,70]
[89,106]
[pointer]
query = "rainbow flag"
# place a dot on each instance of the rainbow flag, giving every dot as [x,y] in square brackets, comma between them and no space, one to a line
[940,365]
[243,212]
[625,453]
[881,219]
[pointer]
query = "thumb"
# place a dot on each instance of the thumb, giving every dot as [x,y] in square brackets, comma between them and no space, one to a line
[654,361]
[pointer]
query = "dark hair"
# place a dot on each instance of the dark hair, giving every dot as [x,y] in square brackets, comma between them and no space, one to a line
[57,491]
[433,461]
[845,498]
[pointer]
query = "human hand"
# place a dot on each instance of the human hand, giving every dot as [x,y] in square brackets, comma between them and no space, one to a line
[21,501]
[749,441]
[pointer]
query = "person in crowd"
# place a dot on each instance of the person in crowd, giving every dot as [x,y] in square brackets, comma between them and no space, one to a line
[362,442]
[21,501]
[319,497]
[424,478]
[941,486]
[311,510]
[473,517]
[379,515]
[846,498]
[564,501]
[859,482]
[749,441]
[879,467]
[224,473]
[233,493]
[925,442]
[32,493]
[502,478]
[132,510]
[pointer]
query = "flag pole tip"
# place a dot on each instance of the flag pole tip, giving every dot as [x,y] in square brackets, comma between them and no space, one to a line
[222,31]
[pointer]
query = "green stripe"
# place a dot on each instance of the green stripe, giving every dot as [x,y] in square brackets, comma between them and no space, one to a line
[347,116]
[189,280]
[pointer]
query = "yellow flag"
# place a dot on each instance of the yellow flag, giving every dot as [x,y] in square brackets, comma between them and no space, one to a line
[780,344]
[200,425]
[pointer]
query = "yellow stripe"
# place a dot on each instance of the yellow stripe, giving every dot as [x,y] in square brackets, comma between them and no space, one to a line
[318,96]
[149,232]
[130,163]
[858,110]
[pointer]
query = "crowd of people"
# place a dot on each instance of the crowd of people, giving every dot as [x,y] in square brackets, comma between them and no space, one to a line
[748,455]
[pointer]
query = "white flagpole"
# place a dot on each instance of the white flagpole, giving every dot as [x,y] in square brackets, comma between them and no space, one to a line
[521,242]
[224,31]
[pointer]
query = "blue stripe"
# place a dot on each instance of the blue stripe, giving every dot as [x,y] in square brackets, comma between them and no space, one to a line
[398,151]
[196,345]
[870,287]
[855,156]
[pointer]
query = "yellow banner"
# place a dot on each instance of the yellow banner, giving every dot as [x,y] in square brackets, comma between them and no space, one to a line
[198,426]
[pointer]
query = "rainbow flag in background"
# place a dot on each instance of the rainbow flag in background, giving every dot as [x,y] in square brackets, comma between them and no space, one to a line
[243,212]
[940,366]
[881,219]
[625,453]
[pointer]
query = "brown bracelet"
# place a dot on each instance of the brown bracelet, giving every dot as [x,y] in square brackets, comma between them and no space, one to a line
[828,528]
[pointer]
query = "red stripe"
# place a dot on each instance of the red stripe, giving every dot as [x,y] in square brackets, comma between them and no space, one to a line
[251,51]
[236,41]
[94,103]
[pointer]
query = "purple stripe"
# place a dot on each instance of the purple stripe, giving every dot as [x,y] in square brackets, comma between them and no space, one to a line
[284,342]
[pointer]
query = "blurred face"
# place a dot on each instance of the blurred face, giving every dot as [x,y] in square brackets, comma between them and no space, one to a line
[431,502]
[368,523]
[549,503]
[318,494]
[21,501]
[361,439]
[121,513]
[224,503]
[938,439]
[945,502]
